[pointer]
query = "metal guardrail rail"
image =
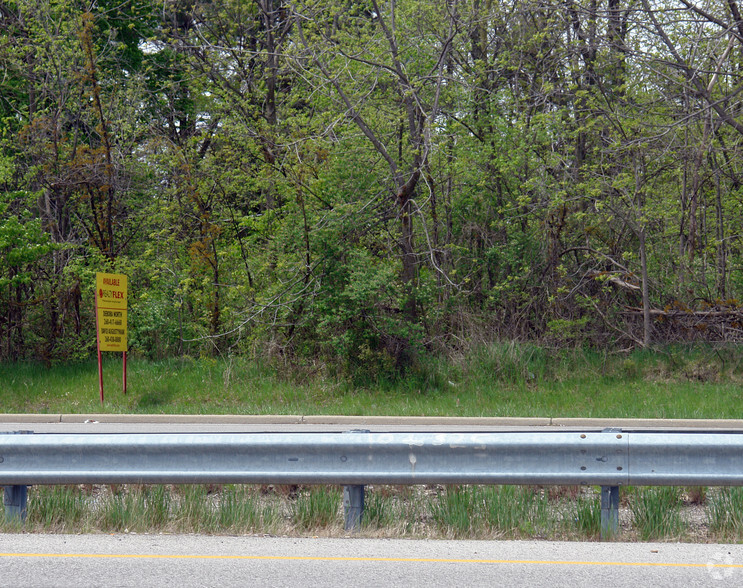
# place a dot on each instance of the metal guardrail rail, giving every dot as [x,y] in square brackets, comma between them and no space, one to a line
[610,459]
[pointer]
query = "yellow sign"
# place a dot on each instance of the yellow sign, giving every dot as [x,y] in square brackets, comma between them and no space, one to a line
[110,302]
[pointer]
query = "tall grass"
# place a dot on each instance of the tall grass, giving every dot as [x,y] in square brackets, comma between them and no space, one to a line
[395,511]
[657,512]
[509,511]
[125,511]
[511,363]
[725,513]
[518,512]
[150,508]
[318,507]
[134,508]
[380,511]
[57,509]
[459,511]
[194,509]
[583,517]
[241,511]
[504,379]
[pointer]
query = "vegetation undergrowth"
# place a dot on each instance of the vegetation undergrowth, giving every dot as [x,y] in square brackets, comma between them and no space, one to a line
[726,514]
[657,512]
[433,511]
[506,379]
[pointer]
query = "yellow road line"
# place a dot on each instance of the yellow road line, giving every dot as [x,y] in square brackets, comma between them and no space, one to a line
[369,559]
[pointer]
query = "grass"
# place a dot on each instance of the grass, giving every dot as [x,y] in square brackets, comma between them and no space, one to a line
[517,511]
[150,508]
[241,511]
[522,512]
[584,517]
[509,511]
[657,512]
[438,512]
[498,380]
[316,508]
[458,510]
[725,514]
[61,509]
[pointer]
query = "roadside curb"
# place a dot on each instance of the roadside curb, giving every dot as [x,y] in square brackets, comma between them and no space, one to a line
[625,423]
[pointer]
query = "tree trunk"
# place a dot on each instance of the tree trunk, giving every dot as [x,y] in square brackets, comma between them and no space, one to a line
[646,325]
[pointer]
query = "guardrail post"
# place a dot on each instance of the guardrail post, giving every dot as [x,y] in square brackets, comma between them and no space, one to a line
[353,506]
[15,501]
[353,499]
[15,498]
[609,511]
[610,502]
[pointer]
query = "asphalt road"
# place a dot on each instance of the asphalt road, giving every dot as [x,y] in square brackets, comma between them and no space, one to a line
[183,561]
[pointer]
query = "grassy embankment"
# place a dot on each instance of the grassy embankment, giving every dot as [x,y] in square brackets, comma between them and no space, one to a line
[503,380]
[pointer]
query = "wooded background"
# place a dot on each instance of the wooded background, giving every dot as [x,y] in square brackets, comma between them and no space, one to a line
[364,181]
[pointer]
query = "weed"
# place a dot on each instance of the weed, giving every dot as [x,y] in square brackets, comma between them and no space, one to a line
[489,380]
[122,512]
[240,510]
[458,511]
[517,510]
[391,511]
[584,516]
[379,511]
[194,510]
[317,507]
[61,508]
[725,513]
[657,512]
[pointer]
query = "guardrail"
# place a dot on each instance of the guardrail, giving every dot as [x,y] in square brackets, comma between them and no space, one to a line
[610,459]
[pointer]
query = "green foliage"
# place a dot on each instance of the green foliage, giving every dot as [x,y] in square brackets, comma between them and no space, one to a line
[568,330]
[656,512]
[457,510]
[21,246]
[193,509]
[511,511]
[316,508]
[379,511]
[60,509]
[511,363]
[516,510]
[725,512]
[584,515]
[566,384]
[360,189]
